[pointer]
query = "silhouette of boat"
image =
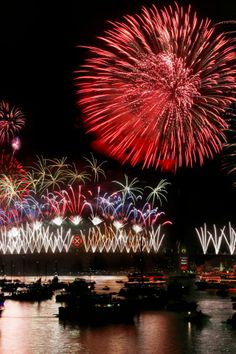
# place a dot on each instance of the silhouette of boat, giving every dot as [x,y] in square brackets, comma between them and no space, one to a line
[144,296]
[97,309]
[2,303]
[196,316]
[32,292]
[232,320]
[106,288]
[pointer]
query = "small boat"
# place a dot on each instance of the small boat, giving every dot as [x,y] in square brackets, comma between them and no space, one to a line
[196,316]
[32,292]
[232,320]
[98,309]
[2,303]
[222,292]
[106,288]
[144,296]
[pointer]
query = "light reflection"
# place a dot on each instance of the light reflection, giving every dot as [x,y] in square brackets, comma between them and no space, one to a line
[32,328]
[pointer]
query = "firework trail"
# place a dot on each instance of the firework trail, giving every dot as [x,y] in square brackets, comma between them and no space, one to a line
[157,87]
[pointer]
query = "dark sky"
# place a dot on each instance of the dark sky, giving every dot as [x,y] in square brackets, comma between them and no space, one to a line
[38,59]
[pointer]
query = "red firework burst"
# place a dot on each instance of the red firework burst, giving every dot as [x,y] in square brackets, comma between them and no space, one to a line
[157,88]
[11,121]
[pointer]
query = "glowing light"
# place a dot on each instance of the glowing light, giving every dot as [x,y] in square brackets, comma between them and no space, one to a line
[96,220]
[16,144]
[13,232]
[137,228]
[118,225]
[75,219]
[58,220]
[37,225]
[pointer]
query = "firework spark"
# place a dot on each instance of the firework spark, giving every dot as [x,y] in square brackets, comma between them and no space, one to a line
[34,238]
[157,88]
[14,185]
[159,192]
[95,167]
[112,240]
[129,188]
[12,120]
[208,238]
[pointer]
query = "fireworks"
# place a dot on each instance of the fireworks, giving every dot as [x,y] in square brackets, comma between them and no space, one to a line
[95,167]
[157,87]
[14,185]
[34,238]
[12,120]
[215,238]
[41,212]
[129,189]
[112,240]
[159,192]
[53,174]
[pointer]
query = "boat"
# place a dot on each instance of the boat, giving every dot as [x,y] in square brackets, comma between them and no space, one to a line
[2,303]
[144,296]
[217,280]
[232,320]
[32,292]
[196,316]
[106,288]
[78,288]
[98,309]
[155,278]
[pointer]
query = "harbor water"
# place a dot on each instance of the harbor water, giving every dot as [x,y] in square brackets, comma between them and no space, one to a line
[33,328]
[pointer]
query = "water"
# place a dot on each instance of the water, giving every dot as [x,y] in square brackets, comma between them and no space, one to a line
[33,328]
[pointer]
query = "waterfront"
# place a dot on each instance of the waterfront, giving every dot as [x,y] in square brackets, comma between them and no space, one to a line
[33,328]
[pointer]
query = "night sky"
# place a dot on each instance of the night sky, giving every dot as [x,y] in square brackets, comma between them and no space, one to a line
[39,55]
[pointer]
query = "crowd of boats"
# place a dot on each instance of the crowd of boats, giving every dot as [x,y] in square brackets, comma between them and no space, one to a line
[79,301]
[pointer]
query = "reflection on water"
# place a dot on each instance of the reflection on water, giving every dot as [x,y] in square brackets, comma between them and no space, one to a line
[32,328]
